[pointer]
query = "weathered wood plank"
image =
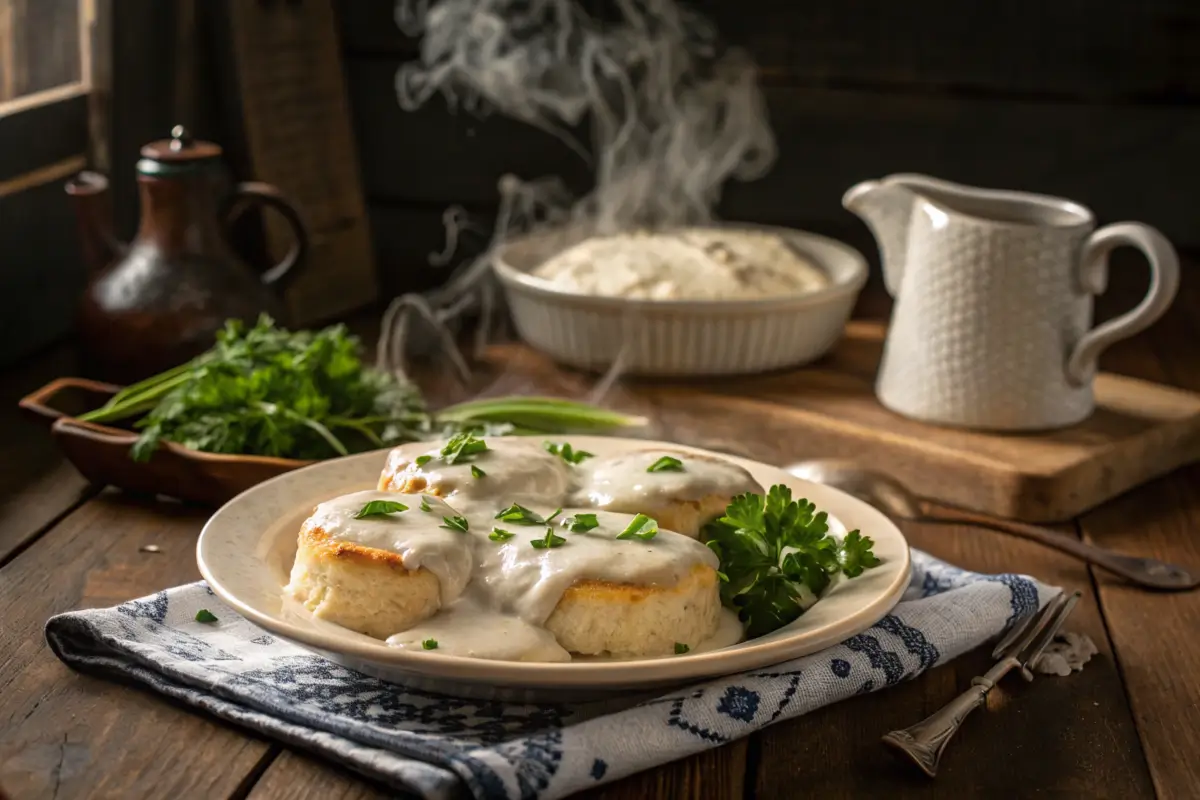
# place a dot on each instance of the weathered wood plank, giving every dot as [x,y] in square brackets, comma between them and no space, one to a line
[712,774]
[1120,160]
[1066,49]
[299,776]
[42,275]
[69,735]
[291,102]
[1069,737]
[36,485]
[1155,633]
[39,46]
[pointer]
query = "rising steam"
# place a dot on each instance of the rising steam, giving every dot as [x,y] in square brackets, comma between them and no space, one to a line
[643,92]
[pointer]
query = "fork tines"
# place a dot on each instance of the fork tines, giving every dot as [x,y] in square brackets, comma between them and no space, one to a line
[1025,631]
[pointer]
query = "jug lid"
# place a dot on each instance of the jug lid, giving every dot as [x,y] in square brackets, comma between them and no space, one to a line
[178,155]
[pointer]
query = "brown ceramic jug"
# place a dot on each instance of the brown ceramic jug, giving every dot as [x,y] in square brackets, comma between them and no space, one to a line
[158,301]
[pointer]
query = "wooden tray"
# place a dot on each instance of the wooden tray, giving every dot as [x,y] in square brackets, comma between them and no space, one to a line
[101,452]
[1140,430]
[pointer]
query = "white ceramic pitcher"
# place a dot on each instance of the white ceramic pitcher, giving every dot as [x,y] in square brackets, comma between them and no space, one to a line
[992,325]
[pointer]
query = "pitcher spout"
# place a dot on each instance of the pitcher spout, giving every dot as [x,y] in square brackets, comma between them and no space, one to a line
[886,207]
[93,211]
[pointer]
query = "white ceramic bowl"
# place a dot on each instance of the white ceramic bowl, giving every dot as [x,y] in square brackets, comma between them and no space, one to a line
[681,337]
[247,548]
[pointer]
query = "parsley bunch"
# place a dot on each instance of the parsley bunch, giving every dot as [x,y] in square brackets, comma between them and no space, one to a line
[777,556]
[264,390]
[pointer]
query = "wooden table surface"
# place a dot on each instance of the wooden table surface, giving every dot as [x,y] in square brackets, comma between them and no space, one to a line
[1128,726]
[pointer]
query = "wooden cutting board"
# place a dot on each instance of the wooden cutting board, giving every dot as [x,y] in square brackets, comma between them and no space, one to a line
[1140,430]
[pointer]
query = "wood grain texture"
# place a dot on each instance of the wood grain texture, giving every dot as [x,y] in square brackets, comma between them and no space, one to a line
[42,275]
[293,108]
[39,46]
[1065,49]
[719,773]
[1155,633]
[67,735]
[36,485]
[1120,160]
[1141,430]
[1056,737]
[298,776]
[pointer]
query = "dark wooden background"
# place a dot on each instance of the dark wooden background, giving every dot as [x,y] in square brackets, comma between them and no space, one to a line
[1097,101]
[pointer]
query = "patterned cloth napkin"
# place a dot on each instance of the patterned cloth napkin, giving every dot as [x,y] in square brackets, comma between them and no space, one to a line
[435,745]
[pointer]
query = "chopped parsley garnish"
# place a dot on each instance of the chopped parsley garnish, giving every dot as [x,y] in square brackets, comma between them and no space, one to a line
[681,648]
[777,555]
[463,447]
[429,644]
[500,535]
[642,527]
[380,508]
[521,515]
[550,518]
[425,505]
[567,453]
[476,472]
[454,523]
[581,523]
[549,541]
[666,464]
[421,461]
[204,615]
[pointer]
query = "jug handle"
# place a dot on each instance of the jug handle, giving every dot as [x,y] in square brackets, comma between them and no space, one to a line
[258,193]
[1093,276]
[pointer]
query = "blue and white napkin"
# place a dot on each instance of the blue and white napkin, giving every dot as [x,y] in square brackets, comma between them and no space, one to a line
[435,745]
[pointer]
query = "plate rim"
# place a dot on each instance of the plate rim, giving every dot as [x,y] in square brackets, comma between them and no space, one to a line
[579,674]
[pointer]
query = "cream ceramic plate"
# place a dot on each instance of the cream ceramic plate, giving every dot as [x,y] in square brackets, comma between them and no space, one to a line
[246,551]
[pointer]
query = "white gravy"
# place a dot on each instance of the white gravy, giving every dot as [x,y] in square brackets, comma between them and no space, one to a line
[497,595]
[623,482]
[689,263]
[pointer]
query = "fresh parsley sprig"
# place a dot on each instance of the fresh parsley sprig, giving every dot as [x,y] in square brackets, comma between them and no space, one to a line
[463,447]
[523,516]
[380,508]
[566,452]
[549,541]
[581,523]
[265,390]
[666,464]
[640,527]
[777,556]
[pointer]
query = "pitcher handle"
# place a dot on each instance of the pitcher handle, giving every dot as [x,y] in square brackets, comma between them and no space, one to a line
[255,192]
[1093,275]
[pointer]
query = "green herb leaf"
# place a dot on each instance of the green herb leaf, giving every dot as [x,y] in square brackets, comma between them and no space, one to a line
[204,615]
[581,523]
[455,523]
[520,515]
[476,472]
[380,508]
[566,452]
[777,556]
[463,447]
[429,644]
[549,541]
[856,554]
[642,527]
[550,518]
[500,535]
[666,464]
[425,505]
[421,461]
[681,648]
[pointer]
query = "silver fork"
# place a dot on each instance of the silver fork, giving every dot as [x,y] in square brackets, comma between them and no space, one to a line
[1019,649]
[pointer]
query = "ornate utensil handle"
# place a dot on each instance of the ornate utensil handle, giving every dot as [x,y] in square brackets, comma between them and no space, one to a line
[925,741]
